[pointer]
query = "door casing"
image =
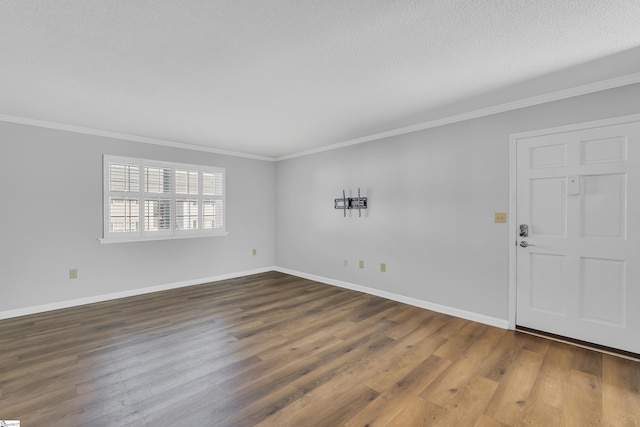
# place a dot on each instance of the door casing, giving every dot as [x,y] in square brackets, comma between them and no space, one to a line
[513,232]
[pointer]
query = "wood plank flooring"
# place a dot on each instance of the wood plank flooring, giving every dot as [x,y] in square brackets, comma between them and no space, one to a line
[277,350]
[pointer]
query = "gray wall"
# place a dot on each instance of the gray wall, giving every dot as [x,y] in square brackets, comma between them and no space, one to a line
[432,195]
[51,212]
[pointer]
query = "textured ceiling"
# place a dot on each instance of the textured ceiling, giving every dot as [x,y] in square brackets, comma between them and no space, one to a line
[274,77]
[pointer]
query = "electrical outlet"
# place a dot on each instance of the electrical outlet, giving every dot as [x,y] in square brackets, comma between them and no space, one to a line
[254,252]
[361,263]
[73,273]
[383,267]
[345,262]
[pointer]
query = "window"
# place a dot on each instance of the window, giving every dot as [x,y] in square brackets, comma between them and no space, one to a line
[150,200]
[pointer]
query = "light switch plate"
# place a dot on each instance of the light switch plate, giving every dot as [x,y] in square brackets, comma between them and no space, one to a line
[500,217]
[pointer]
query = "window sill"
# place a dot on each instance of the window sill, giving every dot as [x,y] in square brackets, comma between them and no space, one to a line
[110,240]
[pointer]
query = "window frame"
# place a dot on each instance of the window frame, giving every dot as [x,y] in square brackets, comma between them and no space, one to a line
[142,196]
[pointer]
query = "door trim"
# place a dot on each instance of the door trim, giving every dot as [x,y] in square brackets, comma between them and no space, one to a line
[513,173]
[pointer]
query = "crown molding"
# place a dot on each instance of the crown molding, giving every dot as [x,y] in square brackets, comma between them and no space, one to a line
[501,108]
[127,137]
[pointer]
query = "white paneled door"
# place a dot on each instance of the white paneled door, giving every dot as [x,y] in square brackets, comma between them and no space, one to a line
[578,234]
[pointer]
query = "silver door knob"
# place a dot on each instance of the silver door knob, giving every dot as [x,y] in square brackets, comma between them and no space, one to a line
[524,244]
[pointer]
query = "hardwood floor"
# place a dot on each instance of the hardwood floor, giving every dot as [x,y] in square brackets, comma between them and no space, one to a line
[277,350]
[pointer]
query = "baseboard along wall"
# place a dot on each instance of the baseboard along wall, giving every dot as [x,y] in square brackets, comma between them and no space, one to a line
[468,315]
[130,293]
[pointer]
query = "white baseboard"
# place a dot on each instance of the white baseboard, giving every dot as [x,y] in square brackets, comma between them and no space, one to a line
[100,298]
[476,317]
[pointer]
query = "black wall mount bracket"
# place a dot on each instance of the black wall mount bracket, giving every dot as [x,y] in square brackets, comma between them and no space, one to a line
[345,203]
